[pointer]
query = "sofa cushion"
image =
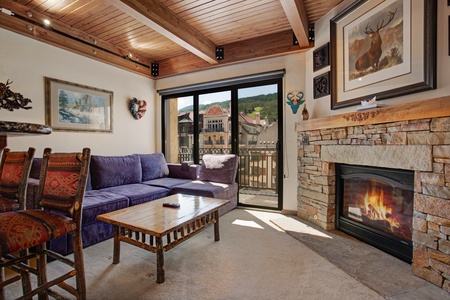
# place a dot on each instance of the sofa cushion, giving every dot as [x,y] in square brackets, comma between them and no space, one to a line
[207,189]
[218,168]
[138,193]
[108,171]
[166,182]
[153,166]
[98,202]
[185,170]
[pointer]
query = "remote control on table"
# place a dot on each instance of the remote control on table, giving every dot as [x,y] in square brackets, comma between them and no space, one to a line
[171,204]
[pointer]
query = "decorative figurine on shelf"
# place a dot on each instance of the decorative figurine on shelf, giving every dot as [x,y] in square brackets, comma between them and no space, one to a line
[305,113]
[138,108]
[10,100]
[295,100]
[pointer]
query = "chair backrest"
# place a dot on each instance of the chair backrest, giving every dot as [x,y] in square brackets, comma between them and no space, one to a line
[62,181]
[14,171]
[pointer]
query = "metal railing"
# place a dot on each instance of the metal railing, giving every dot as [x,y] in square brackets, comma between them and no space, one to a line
[257,167]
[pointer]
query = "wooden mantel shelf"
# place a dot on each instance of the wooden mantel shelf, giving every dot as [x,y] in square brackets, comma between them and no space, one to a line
[432,108]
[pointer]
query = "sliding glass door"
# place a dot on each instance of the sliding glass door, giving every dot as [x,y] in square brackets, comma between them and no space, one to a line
[258,145]
[243,119]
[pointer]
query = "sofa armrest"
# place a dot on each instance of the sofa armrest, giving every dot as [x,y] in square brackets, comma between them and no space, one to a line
[185,170]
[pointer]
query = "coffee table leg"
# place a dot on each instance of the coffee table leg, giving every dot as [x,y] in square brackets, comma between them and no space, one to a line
[159,261]
[216,226]
[116,252]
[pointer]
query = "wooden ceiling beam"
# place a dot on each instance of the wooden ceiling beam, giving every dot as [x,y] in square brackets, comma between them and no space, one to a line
[161,19]
[54,37]
[296,14]
[267,46]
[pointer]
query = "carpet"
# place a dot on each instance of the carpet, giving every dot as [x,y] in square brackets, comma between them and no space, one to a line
[381,272]
[255,259]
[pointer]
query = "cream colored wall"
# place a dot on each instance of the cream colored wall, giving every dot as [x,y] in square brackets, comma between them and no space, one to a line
[321,107]
[26,61]
[299,76]
[293,80]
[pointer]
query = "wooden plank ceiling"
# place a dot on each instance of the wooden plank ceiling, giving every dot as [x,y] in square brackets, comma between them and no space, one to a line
[176,36]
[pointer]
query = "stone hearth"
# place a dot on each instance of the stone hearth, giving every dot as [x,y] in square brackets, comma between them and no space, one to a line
[413,136]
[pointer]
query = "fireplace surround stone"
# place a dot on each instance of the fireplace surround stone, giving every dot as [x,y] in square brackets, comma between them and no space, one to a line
[413,136]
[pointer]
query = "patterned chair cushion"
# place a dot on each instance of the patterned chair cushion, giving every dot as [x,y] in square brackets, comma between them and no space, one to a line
[27,228]
[7,204]
[11,174]
[61,183]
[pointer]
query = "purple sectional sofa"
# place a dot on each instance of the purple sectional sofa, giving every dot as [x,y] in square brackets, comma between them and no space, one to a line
[117,182]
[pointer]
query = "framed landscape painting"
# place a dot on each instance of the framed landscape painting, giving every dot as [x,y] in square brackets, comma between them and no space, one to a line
[75,107]
[382,48]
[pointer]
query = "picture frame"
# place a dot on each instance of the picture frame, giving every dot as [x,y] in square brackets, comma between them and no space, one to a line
[322,85]
[74,107]
[355,77]
[321,57]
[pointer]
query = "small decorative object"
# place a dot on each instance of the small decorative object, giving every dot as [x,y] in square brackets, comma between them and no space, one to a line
[11,100]
[305,113]
[369,104]
[138,108]
[295,100]
[321,57]
[322,85]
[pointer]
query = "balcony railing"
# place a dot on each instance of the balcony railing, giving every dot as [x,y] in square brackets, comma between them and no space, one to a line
[257,167]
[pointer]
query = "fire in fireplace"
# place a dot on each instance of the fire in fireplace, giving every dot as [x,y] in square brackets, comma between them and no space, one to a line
[375,205]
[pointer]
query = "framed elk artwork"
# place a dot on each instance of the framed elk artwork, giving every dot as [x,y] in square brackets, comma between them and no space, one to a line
[382,48]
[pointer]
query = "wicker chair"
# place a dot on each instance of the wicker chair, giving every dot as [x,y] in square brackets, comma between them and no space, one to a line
[61,190]
[14,171]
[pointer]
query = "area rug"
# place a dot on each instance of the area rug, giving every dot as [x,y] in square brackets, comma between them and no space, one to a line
[381,272]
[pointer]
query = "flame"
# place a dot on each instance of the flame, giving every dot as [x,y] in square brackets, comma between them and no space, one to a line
[376,207]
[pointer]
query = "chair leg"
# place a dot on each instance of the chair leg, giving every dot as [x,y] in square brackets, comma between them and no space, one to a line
[79,265]
[41,265]
[26,283]
[2,291]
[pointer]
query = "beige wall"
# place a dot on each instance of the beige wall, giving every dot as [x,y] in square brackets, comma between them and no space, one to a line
[26,61]
[299,74]
[294,80]
[321,107]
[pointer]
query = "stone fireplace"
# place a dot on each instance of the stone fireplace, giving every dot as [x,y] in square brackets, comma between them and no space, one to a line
[375,205]
[412,137]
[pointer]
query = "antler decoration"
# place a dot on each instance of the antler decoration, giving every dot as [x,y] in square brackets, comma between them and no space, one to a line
[10,100]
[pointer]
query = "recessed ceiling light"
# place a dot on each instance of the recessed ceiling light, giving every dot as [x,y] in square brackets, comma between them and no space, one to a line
[46,22]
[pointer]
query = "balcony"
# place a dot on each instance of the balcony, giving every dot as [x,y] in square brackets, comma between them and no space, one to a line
[257,173]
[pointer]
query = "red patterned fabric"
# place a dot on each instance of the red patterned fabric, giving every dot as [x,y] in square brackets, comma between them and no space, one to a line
[27,228]
[11,174]
[61,182]
[7,204]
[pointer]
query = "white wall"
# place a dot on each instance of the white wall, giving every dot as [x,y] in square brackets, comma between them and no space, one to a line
[26,62]
[299,76]
[293,80]
[321,107]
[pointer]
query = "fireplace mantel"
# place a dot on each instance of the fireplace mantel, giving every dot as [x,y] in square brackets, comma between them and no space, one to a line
[413,136]
[431,108]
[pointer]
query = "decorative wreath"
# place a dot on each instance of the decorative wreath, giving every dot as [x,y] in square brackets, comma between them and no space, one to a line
[138,108]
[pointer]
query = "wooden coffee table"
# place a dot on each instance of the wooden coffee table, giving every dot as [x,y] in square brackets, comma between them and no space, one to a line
[155,228]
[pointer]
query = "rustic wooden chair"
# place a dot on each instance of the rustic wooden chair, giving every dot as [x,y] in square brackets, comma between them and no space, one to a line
[61,190]
[14,171]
